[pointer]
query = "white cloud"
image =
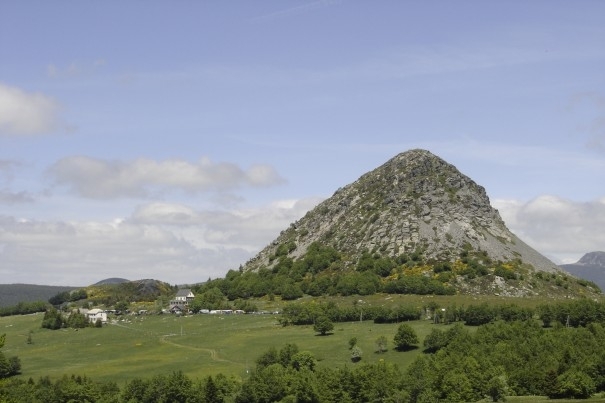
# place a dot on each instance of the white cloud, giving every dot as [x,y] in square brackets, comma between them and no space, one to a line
[103,179]
[169,242]
[248,229]
[23,113]
[561,229]
[81,253]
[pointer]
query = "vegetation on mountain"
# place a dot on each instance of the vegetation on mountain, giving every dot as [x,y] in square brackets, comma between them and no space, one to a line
[131,291]
[68,296]
[321,272]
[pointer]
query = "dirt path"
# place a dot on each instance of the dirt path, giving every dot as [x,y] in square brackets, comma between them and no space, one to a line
[164,339]
[213,353]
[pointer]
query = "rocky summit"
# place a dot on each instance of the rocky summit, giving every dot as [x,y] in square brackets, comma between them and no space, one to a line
[593,259]
[414,203]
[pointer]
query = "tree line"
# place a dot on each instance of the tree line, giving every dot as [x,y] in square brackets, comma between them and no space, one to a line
[54,319]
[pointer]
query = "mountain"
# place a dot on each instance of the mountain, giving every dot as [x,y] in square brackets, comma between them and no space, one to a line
[112,280]
[415,204]
[12,294]
[591,267]
[595,259]
[136,290]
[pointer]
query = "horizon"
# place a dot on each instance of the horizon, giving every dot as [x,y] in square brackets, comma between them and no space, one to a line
[175,141]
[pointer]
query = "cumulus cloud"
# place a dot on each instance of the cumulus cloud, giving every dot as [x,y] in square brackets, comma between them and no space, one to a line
[24,113]
[103,179]
[248,229]
[81,253]
[169,242]
[561,229]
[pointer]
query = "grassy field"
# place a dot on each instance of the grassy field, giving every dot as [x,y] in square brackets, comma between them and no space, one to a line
[199,345]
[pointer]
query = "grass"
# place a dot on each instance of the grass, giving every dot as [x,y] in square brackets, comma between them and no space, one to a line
[201,345]
[198,345]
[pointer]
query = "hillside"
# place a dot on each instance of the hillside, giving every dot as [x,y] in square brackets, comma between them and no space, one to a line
[590,267]
[12,294]
[417,205]
[146,290]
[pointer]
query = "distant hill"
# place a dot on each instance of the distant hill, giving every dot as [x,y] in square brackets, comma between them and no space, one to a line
[131,291]
[415,218]
[12,294]
[112,280]
[590,267]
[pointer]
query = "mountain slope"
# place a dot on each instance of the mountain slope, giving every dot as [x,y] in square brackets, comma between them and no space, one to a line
[416,203]
[12,294]
[590,267]
[414,200]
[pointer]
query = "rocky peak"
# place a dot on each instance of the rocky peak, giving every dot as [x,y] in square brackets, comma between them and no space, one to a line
[593,259]
[414,201]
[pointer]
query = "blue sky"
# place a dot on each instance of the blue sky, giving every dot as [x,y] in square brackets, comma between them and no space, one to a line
[173,140]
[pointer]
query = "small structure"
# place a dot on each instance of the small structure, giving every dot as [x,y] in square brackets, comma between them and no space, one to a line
[183,297]
[95,314]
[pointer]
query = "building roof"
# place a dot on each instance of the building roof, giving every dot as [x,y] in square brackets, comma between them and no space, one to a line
[183,292]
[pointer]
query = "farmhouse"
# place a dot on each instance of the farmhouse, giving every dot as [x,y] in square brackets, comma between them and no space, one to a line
[95,314]
[183,297]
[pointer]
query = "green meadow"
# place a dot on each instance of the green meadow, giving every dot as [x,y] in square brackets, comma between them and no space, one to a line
[198,345]
[201,345]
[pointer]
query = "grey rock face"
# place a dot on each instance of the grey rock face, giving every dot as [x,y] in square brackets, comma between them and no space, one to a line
[593,259]
[415,200]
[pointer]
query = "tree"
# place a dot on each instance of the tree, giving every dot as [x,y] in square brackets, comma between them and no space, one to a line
[52,319]
[323,325]
[122,306]
[497,388]
[356,353]
[434,340]
[287,353]
[10,366]
[303,360]
[381,344]
[77,320]
[405,338]
[211,392]
[575,384]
